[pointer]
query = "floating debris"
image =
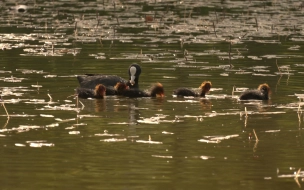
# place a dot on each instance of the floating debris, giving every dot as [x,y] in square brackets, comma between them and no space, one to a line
[36,86]
[1,71]
[263,75]
[53,125]
[254,57]
[185,100]
[69,128]
[80,124]
[208,141]
[167,133]
[120,123]
[45,115]
[50,76]
[74,132]
[12,79]
[107,135]
[65,120]
[294,175]
[22,128]
[153,120]
[64,107]
[36,101]
[294,48]
[213,138]
[272,131]
[83,116]
[189,116]
[149,141]
[20,145]
[39,145]
[199,75]
[242,73]
[29,71]
[159,156]
[114,140]
[206,157]
[213,114]
[217,139]
[20,115]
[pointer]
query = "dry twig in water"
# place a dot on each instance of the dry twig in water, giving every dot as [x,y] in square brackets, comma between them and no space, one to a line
[278,66]
[256,137]
[5,109]
[81,104]
[297,177]
[50,98]
[298,172]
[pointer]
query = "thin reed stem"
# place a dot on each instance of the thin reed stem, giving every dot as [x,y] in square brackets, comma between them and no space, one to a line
[278,66]
[81,104]
[230,52]
[214,29]
[256,22]
[50,98]
[256,137]
[298,172]
[5,110]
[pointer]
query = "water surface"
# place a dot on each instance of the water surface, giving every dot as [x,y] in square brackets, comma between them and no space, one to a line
[49,141]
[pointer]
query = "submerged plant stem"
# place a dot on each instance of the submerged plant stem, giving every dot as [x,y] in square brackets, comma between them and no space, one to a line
[256,137]
[5,110]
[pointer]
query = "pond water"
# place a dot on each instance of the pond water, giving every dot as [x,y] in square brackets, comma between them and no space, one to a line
[52,141]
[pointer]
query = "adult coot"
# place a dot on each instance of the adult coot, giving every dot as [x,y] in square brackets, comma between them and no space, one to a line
[90,81]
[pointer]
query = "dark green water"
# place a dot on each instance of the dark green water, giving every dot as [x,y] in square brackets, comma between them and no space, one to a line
[105,143]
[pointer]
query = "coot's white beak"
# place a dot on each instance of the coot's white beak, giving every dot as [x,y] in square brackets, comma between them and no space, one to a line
[132,72]
[132,81]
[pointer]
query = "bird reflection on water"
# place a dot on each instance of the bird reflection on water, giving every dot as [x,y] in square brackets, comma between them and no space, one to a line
[206,104]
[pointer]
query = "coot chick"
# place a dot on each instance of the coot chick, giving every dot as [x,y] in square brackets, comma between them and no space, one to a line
[203,89]
[156,90]
[91,80]
[262,93]
[99,92]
